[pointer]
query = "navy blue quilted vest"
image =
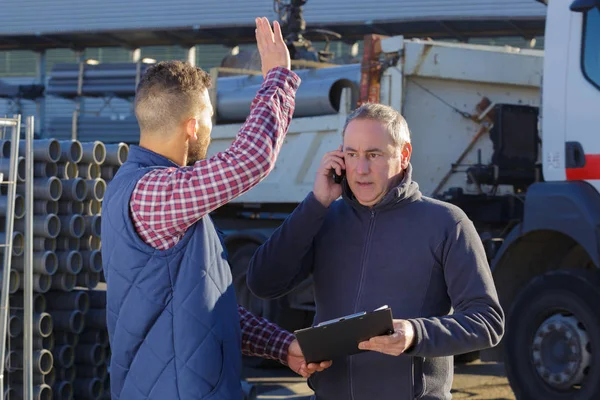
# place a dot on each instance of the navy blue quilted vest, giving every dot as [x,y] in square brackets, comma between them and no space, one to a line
[172,315]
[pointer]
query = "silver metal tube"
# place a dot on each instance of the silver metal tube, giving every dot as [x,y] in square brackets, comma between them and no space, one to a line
[67,170]
[14,281]
[66,374]
[62,281]
[69,262]
[5,147]
[70,321]
[93,152]
[67,243]
[18,243]
[89,354]
[88,279]
[70,207]
[5,164]
[46,343]
[89,171]
[43,150]
[47,226]
[18,209]
[74,189]
[41,262]
[4,292]
[62,338]
[15,327]
[39,302]
[116,154]
[42,358]
[92,225]
[76,300]
[92,261]
[43,207]
[44,169]
[44,244]
[90,243]
[42,323]
[65,356]
[92,207]
[45,188]
[62,390]
[108,172]
[88,388]
[73,225]
[70,150]
[95,189]
[41,283]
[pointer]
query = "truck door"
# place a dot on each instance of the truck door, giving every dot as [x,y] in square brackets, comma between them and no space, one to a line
[582,116]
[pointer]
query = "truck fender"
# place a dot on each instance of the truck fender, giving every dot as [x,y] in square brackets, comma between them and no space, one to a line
[568,208]
[233,238]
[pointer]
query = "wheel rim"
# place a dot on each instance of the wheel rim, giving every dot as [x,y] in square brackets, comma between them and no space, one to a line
[561,351]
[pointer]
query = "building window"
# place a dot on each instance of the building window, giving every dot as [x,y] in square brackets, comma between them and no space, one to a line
[591,47]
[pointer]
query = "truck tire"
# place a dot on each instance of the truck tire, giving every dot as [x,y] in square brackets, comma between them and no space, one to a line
[276,310]
[239,259]
[552,341]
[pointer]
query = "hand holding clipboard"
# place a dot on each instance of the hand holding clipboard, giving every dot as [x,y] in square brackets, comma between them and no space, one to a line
[341,336]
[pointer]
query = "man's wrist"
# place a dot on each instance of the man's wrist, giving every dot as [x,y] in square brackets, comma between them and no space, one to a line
[288,339]
[317,199]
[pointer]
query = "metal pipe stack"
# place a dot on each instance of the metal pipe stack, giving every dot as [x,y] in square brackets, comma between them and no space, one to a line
[319,94]
[70,341]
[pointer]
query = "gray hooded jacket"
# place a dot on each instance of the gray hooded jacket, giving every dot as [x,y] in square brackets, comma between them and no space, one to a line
[420,256]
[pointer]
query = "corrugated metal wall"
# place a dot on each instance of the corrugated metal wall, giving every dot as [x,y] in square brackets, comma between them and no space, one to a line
[44,16]
[332,11]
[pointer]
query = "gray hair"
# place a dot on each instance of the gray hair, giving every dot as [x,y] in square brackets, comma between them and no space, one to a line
[393,121]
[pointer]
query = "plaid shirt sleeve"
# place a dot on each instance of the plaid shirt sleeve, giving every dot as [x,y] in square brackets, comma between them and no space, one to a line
[167,201]
[263,338]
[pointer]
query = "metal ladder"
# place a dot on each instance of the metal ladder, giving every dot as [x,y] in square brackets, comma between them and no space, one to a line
[14,126]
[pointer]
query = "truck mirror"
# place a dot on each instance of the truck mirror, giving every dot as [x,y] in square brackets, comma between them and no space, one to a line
[584,5]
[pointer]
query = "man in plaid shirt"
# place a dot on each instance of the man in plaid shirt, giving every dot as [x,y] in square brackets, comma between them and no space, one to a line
[181,188]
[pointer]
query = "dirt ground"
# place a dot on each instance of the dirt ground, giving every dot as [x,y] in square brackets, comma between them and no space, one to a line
[476,380]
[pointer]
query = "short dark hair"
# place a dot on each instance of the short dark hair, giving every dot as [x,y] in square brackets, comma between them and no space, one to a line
[168,92]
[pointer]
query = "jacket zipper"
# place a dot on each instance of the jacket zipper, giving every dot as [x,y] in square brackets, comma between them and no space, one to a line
[358,295]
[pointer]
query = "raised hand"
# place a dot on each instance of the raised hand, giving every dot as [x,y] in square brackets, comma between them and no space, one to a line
[271,46]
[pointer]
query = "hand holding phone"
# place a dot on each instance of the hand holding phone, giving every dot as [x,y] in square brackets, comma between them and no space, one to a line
[330,174]
[338,178]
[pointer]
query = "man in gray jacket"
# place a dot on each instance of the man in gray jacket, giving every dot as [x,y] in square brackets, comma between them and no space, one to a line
[383,243]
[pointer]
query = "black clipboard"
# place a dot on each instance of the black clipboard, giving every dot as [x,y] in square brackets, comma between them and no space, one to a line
[340,337]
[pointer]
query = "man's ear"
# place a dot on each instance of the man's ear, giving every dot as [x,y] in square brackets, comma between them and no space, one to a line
[406,153]
[191,128]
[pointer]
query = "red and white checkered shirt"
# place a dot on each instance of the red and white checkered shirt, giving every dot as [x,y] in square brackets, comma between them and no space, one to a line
[168,201]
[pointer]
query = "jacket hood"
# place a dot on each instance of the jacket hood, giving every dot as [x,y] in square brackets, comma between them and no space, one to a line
[407,191]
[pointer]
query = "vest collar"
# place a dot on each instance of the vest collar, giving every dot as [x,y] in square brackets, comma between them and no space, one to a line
[148,158]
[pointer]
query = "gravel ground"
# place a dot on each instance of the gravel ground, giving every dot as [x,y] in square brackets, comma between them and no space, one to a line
[471,381]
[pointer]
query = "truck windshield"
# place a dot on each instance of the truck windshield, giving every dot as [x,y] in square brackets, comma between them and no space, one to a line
[591,47]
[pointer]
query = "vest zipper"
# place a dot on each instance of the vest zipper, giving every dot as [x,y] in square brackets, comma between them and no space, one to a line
[358,295]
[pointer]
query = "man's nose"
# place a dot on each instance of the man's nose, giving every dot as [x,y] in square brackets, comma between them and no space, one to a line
[363,166]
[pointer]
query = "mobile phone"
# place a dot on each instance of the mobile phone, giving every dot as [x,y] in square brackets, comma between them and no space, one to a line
[338,178]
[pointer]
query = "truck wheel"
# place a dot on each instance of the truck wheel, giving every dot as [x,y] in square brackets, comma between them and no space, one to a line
[552,341]
[239,260]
